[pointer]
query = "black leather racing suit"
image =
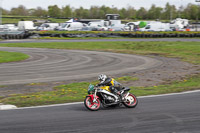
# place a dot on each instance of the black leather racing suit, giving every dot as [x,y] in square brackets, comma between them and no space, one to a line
[114,85]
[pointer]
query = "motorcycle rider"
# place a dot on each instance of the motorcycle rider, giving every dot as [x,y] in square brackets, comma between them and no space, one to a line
[115,86]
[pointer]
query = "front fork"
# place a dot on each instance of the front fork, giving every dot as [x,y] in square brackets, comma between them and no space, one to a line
[125,97]
[95,98]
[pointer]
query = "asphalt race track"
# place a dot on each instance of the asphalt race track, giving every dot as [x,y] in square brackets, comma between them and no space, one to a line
[46,65]
[178,113]
[163,114]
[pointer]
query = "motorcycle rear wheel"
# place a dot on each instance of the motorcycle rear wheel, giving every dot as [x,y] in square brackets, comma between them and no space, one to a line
[131,101]
[93,106]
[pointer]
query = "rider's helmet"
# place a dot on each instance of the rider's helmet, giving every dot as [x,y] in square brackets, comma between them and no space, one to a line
[102,78]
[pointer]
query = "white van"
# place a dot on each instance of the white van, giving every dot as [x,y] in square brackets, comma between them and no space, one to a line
[26,25]
[156,26]
[179,24]
[72,26]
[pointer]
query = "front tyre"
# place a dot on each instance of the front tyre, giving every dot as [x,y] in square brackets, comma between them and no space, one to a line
[130,101]
[93,106]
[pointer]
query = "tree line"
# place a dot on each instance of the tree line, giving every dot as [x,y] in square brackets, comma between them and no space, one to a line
[191,11]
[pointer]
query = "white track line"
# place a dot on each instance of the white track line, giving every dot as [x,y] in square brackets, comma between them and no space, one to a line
[65,104]
[170,94]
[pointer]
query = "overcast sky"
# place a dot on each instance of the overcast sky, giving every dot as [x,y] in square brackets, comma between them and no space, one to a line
[8,4]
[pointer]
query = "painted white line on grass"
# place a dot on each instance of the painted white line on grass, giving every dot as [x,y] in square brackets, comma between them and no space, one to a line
[65,104]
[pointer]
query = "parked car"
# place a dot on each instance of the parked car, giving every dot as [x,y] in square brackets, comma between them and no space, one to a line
[10,27]
[48,26]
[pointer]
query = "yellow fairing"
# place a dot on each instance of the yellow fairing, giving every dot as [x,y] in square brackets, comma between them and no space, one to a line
[105,88]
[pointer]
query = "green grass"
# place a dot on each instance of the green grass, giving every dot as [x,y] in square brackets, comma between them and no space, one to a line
[187,51]
[64,93]
[15,19]
[11,56]
[9,19]
[75,92]
[187,84]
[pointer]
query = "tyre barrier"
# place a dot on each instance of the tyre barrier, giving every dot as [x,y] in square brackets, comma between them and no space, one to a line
[128,35]
[22,35]
[81,35]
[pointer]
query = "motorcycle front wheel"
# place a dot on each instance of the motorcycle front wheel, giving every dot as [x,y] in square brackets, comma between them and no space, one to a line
[93,106]
[131,101]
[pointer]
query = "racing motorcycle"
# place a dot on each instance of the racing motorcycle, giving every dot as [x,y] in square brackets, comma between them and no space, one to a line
[102,95]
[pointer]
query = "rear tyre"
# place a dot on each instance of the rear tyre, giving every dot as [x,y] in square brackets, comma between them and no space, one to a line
[131,101]
[93,106]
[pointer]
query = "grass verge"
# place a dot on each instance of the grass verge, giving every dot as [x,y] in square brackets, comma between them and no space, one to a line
[187,51]
[188,84]
[11,56]
[75,92]
[61,94]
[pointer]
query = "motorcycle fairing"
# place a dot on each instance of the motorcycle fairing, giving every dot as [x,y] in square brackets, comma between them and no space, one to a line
[105,88]
[107,92]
